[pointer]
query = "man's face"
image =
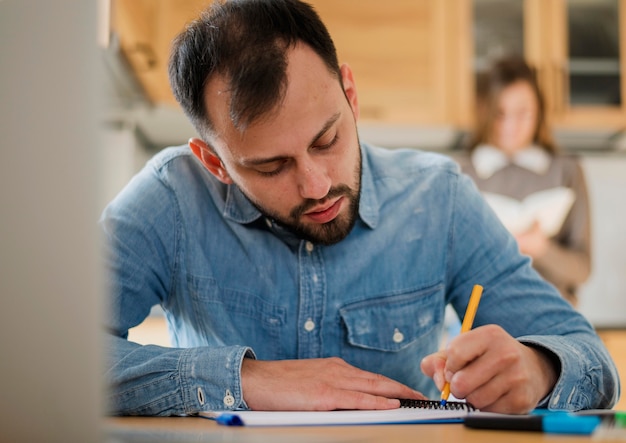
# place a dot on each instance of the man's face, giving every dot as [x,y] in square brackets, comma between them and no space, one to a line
[300,165]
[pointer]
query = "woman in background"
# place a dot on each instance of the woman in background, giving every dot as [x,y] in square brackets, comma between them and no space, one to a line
[512,154]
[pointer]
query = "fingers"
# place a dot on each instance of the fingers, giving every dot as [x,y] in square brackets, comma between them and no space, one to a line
[376,384]
[433,366]
[318,384]
[334,399]
[505,400]
[493,371]
[475,363]
[353,388]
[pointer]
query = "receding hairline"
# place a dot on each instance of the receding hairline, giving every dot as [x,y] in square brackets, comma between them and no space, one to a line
[225,80]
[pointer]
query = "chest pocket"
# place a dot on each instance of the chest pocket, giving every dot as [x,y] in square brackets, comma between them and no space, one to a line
[394,323]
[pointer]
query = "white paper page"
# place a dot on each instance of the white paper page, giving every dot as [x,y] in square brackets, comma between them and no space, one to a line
[313,418]
[549,208]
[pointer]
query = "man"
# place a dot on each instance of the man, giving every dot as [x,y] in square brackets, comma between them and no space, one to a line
[302,269]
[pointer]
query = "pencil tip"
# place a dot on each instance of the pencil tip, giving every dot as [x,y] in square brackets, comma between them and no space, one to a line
[442,403]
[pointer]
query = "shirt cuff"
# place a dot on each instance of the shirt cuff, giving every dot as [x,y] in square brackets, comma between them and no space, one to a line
[579,384]
[210,378]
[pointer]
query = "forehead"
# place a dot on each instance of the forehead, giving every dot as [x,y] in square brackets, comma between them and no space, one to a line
[313,94]
[520,93]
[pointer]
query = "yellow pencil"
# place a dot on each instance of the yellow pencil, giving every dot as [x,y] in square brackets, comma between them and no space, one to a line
[468,321]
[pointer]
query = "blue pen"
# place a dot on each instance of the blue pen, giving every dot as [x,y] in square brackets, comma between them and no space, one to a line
[552,423]
[229,419]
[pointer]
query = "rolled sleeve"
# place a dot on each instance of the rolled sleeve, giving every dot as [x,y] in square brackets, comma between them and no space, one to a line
[153,380]
[210,378]
[588,377]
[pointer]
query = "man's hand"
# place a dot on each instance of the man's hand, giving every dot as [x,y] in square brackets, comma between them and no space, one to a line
[318,384]
[492,371]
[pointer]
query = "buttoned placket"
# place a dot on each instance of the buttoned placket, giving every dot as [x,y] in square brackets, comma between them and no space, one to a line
[312,292]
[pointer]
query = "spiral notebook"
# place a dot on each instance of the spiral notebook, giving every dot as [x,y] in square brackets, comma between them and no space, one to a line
[410,412]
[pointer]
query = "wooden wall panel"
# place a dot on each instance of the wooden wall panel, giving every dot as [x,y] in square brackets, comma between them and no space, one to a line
[393,53]
[406,58]
[146,29]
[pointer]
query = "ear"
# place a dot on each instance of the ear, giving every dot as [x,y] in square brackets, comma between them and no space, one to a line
[209,159]
[349,87]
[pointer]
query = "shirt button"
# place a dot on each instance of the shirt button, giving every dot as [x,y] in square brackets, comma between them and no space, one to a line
[309,325]
[398,336]
[309,247]
[268,222]
[229,400]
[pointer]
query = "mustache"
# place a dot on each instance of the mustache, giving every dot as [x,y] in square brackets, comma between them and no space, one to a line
[336,191]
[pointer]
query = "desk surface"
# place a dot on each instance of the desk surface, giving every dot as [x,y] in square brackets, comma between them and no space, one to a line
[197,430]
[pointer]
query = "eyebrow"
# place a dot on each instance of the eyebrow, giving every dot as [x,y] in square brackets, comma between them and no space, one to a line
[259,161]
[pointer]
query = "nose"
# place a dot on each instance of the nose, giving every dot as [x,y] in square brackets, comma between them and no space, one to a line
[313,181]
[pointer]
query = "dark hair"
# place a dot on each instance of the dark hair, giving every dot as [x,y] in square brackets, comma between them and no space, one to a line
[503,73]
[246,42]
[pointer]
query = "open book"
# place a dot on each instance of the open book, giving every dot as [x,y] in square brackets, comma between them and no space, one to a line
[549,208]
[423,412]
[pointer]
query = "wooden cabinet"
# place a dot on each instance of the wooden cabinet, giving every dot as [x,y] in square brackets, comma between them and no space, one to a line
[145,30]
[410,62]
[579,50]
[414,60]
[410,58]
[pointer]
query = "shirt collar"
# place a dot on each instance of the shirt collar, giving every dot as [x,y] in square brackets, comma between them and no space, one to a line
[239,209]
[488,160]
[369,209]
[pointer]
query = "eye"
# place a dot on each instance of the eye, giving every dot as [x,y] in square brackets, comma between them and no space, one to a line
[328,145]
[271,169]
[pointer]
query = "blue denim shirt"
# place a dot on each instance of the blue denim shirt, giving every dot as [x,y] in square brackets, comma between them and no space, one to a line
[234,284]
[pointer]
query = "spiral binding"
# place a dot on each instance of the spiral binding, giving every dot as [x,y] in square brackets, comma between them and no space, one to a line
[435,404]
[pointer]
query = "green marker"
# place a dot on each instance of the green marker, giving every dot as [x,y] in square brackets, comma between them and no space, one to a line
[620,419]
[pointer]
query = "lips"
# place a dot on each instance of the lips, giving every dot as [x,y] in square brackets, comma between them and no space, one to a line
[326,214]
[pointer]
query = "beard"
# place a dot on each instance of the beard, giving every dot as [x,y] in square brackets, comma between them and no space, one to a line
[325,233]
[322,233]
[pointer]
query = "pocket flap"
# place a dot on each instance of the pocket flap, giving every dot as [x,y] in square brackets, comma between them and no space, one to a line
[392,323]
